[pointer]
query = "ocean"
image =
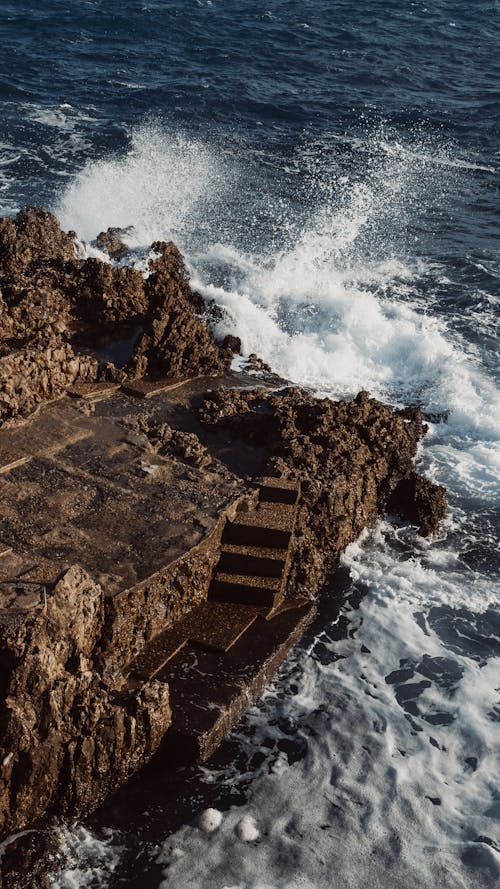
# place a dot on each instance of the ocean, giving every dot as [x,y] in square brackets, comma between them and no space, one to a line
[331,170]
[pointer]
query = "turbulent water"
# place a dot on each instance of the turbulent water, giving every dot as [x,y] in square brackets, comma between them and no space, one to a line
[331,171]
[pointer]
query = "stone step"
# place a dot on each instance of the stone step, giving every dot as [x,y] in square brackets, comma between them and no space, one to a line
[209,690]
[215,625]
[245,589]
[218,625]
[261,561]
[287,605]
[279,490]
[157,653]
[270,525]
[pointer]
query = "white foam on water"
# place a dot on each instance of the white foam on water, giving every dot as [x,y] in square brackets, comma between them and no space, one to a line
[90,860]
[398,781]
[210,820]
[160,187]
[380,796]
[60,117]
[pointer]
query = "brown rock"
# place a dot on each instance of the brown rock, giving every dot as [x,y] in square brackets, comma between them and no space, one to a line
[354,460]
[102,293]
[52,302]
[111,242]
[176,342]
[67,722]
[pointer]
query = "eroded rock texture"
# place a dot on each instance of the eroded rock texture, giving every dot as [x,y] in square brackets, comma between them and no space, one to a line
[354,460]
[176,342]
[70,731]
[54,308]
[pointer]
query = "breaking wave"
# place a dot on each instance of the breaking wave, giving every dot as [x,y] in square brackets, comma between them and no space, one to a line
[397,723]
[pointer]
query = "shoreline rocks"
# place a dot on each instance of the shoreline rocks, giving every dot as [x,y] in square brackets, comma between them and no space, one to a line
[354,460]
[48,294]
[71,728]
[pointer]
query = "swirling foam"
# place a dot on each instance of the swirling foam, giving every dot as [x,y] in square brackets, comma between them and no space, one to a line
[397,772]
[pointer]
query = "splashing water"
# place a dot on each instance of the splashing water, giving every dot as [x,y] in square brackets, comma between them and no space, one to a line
[324,271]
[159,188]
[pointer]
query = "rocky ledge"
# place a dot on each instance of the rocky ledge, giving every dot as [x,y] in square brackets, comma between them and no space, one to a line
[132,497]
[59,312]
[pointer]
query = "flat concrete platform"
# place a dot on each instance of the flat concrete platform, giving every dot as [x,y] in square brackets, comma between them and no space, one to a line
[82,483]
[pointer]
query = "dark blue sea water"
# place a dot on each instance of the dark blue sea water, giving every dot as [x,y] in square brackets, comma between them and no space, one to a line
[331,170]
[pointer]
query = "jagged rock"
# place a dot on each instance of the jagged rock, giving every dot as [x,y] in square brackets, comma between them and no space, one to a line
[49,296]
[354,459]
[33,238]
[33,375]
[176,342]
[185,446]
[103,293]
[66,718]
[111,242]
[421,501]
[231,344]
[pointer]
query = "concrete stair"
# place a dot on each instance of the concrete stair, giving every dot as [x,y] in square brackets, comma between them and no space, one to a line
[261,561]
[244,588]
[234,652]
[269,525]
[278,490]
[213,625]
[156,654]
[255,548]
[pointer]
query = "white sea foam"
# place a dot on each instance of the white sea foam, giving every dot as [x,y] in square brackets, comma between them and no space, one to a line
[161,188]
[380,796]
[210,820]
[397,783]
[90,860]
[322,310]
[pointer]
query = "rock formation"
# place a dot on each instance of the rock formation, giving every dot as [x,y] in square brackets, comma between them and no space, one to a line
[70,730]
[354,460]
[72,726]
[54,306]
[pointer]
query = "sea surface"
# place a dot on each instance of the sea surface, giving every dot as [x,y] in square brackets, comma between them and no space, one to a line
[331,170]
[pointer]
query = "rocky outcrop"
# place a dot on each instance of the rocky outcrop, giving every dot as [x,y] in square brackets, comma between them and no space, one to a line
[354,460]
[55,306]
[105,294]
[176,341]
[72,727]
[31,376]
[31,240]
[70,731]
[111,242]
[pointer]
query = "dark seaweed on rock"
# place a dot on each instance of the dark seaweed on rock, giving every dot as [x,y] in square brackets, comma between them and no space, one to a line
[354,459]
